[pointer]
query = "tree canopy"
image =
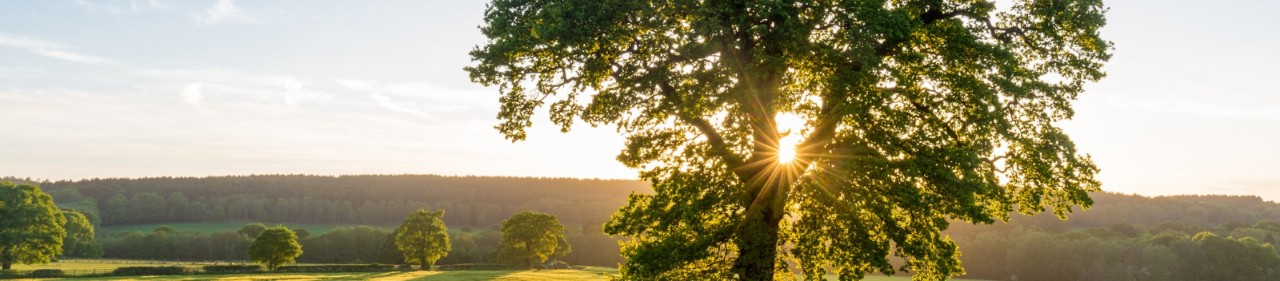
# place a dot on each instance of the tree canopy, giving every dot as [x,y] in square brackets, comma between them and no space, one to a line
[423,238]
[252,230]
[530,238]
[79,241]
[30,225]
[851,130]
[274,247]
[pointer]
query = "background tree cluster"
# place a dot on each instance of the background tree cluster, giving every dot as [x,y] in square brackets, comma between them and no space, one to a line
[1169,251]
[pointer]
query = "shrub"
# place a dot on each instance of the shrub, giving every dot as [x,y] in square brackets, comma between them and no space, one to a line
[10,273]
[232,268]
[45,273]
[149,270]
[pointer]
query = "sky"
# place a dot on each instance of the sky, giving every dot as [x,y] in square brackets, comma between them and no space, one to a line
[98,88]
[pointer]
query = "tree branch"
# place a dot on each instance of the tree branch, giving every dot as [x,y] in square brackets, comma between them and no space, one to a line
[718,145]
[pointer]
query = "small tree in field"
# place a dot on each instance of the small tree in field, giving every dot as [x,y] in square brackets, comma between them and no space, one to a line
[423,238]
[530,238]
[30,225]
[79,240]
[274,247]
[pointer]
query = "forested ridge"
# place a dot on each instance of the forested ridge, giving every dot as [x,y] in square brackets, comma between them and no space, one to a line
[1122,237]
[361,199]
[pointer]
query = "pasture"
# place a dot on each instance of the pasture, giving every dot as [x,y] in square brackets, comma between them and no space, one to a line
[209,228]
[588,274]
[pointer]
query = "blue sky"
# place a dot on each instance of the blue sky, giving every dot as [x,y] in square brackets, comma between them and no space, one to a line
[96,88]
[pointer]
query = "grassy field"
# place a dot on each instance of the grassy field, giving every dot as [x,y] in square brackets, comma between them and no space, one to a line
[97,265]
[591,273]
[207,228]
[595,274]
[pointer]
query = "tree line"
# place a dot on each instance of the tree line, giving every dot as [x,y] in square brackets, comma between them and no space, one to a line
[1131,237]
[371,199]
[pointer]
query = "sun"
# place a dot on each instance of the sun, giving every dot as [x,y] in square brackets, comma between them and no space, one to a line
[787,148]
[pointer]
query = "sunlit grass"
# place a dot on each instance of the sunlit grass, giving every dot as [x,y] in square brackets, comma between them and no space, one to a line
[210,228]
[590,274]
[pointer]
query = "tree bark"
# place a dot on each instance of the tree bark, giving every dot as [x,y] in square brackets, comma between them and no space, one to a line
[6,258]
[757,238]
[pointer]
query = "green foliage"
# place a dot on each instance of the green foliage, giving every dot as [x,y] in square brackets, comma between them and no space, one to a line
[252,230]
[47,273]
[388,253]
[31,227]
[352,244]
[319,202]
[79,241]
[423,238]
[909,113]
[531,238]
[1102,253]
[274,247]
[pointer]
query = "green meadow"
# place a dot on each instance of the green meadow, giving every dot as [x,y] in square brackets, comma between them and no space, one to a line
[211,227]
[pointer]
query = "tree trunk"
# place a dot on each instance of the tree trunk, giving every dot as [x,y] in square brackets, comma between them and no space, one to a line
[757,245]
[6,258]
[757,236]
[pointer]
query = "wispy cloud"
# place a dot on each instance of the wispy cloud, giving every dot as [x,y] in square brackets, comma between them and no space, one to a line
[224,11]
[26,42]
[50,49]
[192,95]
[118,7]
[420,90]
[426,99]
[245,87]
[69,56]
[386,102]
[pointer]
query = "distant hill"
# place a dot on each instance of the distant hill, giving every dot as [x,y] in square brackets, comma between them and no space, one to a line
[486,201]
[360,199]
[1198,212]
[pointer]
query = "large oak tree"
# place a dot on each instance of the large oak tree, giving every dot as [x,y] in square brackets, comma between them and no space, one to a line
[911,113]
